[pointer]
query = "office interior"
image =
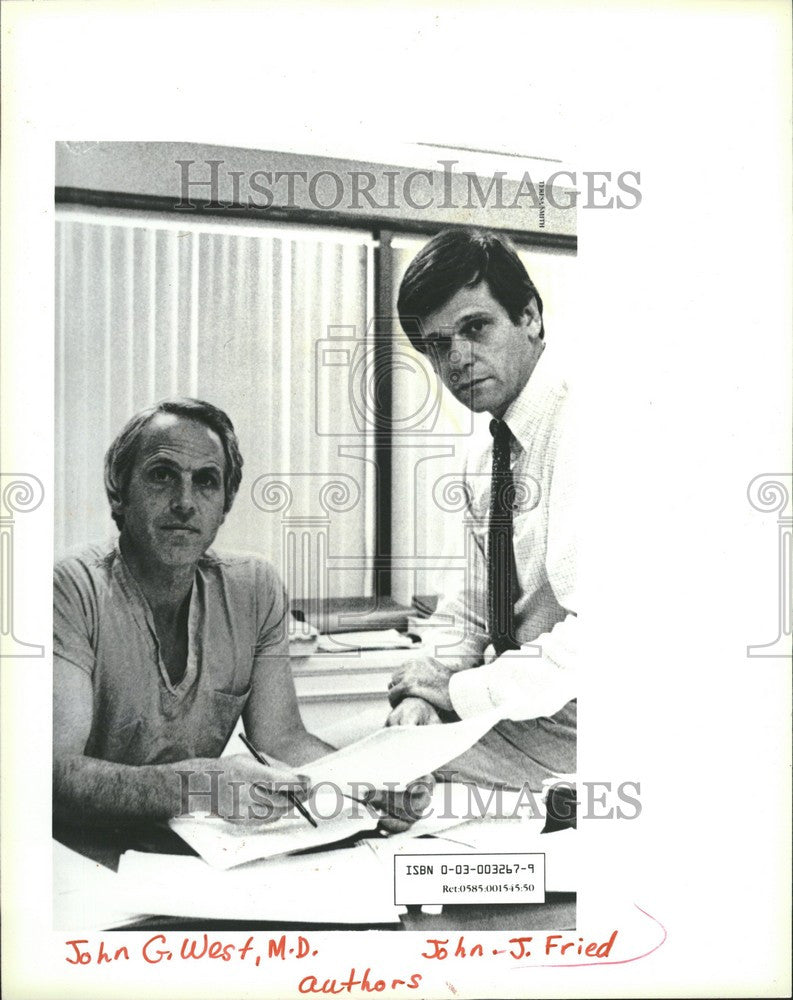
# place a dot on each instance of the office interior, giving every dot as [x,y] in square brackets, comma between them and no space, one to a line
[286,318]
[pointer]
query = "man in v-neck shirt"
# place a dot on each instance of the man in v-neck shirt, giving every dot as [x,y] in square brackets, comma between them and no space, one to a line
[161,644]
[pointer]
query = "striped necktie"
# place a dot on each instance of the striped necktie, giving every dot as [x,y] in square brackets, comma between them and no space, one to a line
[502,574]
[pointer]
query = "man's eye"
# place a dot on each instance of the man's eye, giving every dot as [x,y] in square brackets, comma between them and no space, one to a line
[160,474]
[207,479]
[476,326]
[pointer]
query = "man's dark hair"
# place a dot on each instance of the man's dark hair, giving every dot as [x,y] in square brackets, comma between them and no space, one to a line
[460,258]
[121,454]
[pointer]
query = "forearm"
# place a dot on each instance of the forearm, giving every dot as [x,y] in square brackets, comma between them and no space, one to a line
[87,790]
[299,747]
[524,684]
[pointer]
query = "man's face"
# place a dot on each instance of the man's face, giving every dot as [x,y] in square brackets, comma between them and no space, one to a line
[175,497]
[483,358]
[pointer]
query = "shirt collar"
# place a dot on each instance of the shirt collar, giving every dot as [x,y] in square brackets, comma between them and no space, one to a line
[531,404]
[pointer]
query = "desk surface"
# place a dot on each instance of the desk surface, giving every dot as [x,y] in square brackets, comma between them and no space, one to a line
[106,846]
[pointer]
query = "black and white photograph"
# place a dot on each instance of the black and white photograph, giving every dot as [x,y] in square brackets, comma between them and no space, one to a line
[401,456]
[395,516]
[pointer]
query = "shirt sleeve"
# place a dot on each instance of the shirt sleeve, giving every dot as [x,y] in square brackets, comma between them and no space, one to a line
[525,685]
[539,678]
[272,638]
[73,617]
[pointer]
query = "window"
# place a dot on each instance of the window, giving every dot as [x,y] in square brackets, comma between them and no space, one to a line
[347,450]
[148,308]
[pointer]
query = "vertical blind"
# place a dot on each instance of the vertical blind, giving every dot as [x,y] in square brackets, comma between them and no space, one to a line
[236,314]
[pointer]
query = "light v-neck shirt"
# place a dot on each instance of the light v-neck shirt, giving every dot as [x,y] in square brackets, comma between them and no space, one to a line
[103,625]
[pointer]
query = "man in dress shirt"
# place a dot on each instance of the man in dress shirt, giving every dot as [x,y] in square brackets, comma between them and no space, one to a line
[468,303]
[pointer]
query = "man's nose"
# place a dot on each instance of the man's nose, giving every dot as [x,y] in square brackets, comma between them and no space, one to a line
[460,355]
[182,499]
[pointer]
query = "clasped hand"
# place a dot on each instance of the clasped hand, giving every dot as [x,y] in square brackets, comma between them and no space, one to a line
[425,678]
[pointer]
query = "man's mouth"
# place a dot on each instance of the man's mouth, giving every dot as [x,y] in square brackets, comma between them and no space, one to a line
[186,528]
[466,387]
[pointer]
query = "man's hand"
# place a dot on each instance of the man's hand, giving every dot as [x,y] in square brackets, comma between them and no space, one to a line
[413,711]
[426,678]
[247,791]
[402,809]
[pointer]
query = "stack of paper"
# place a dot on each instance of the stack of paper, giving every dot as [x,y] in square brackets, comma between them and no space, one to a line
[348,886]
[85,895]
[387,758]
[459,805]
[223,844]
[346,642]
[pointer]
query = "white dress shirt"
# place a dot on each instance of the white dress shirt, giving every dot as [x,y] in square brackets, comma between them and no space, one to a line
[538,678]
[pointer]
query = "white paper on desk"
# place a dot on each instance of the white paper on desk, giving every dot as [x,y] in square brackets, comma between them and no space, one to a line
[347,886]
[454,804]
[85,894]
[223,844]
[344,642]
[397,755]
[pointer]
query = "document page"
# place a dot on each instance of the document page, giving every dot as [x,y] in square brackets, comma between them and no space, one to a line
[344,642]
[399,754]
[223,844]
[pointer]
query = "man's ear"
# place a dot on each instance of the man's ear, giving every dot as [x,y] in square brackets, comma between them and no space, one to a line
[533,319]
[117,506]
